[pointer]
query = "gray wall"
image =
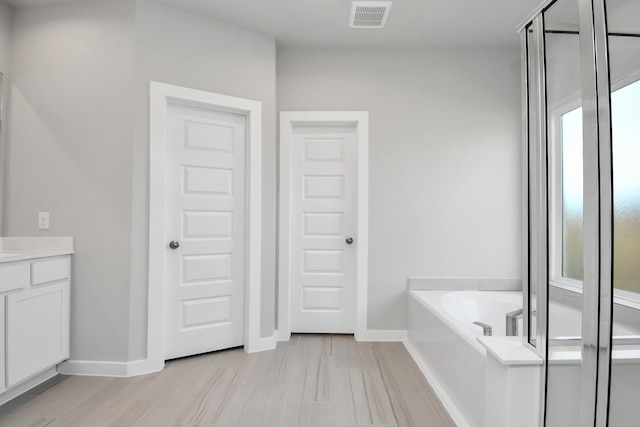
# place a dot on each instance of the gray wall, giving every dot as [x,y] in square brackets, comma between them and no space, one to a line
[444,159]
[190,50]
[444,150]
[69,153]
[5,36]
[5,50]
[78,144]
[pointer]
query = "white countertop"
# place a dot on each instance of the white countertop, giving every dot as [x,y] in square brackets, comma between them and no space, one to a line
[24,248]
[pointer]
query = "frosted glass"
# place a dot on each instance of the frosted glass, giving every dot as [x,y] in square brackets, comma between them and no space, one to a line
[625,123]
[572,206]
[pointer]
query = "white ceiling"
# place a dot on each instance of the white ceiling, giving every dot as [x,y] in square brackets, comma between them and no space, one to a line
[412,23]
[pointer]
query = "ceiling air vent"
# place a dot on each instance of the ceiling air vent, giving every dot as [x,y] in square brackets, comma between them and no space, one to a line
[369,14]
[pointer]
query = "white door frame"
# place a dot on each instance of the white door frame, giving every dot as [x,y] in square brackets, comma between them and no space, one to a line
[160,96]
[289,119]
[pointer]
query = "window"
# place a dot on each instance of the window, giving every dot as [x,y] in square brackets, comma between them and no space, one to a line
[625,125]
[567,189]
[571,172]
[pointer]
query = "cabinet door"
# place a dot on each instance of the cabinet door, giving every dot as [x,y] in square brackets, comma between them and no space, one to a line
[37,330]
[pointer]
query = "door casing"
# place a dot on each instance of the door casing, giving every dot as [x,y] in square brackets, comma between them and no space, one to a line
[161,95]
[288,120]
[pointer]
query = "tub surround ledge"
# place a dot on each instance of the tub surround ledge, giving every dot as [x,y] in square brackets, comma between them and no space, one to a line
[509,350]
[463,284]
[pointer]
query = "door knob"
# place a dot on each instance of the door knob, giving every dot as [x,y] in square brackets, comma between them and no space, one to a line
[349,240]
[174,244]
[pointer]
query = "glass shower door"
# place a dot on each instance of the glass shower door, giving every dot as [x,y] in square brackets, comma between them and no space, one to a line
[583,183]
[564,141]
[624,61]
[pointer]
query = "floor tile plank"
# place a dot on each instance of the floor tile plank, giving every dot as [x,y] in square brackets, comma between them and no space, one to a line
[346,353]
[259,405]
[362,398]
[411,409]
[15,421]
[312,379]
[394,363]
[310,414]
[58,399]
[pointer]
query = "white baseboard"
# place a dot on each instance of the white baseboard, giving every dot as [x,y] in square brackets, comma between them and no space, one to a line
[108,369]
[138,367]
[283,336]
[27,385]
[448,404]
[382,335]
[263,344]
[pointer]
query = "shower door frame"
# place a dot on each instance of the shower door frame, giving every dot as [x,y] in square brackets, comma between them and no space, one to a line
[535,223]
[598,214]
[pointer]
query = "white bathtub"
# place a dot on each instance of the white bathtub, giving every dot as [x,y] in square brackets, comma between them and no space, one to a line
[444,341]
[442,332]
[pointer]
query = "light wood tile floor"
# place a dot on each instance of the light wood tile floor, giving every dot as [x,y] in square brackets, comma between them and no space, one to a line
[311,380]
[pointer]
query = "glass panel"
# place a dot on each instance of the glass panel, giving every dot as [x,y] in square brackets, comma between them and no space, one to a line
[564,139]
[571,190]
[624,60]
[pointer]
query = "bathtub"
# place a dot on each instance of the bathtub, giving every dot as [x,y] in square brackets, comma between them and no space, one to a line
[447,346]
[445,343]
[473,385]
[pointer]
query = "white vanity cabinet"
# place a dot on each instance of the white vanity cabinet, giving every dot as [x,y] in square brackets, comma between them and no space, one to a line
[35,313]
[13,276]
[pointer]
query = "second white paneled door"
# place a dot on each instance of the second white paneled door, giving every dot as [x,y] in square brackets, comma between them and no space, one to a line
[206,198]
[323,219]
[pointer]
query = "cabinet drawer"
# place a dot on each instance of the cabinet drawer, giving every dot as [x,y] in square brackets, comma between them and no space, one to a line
[14,275]
[50,270]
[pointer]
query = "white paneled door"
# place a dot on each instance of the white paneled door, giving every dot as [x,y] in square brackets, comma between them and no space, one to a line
[323,217]
[206,225]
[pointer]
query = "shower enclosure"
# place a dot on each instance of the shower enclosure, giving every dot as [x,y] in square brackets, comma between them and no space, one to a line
[581,104]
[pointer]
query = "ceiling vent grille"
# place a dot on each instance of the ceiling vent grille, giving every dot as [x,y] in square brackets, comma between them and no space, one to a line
[369,14]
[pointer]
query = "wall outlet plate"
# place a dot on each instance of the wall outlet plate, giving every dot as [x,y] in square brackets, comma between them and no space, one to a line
[43,220]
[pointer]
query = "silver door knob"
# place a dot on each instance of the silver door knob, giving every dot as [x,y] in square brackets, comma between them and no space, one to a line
[349,240]
[174,244]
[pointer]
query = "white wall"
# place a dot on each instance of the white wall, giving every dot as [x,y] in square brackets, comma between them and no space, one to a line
[444,150]
[69,153]
[444,159]
[5,50]
[78,144]
[182,48]
[5,37]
